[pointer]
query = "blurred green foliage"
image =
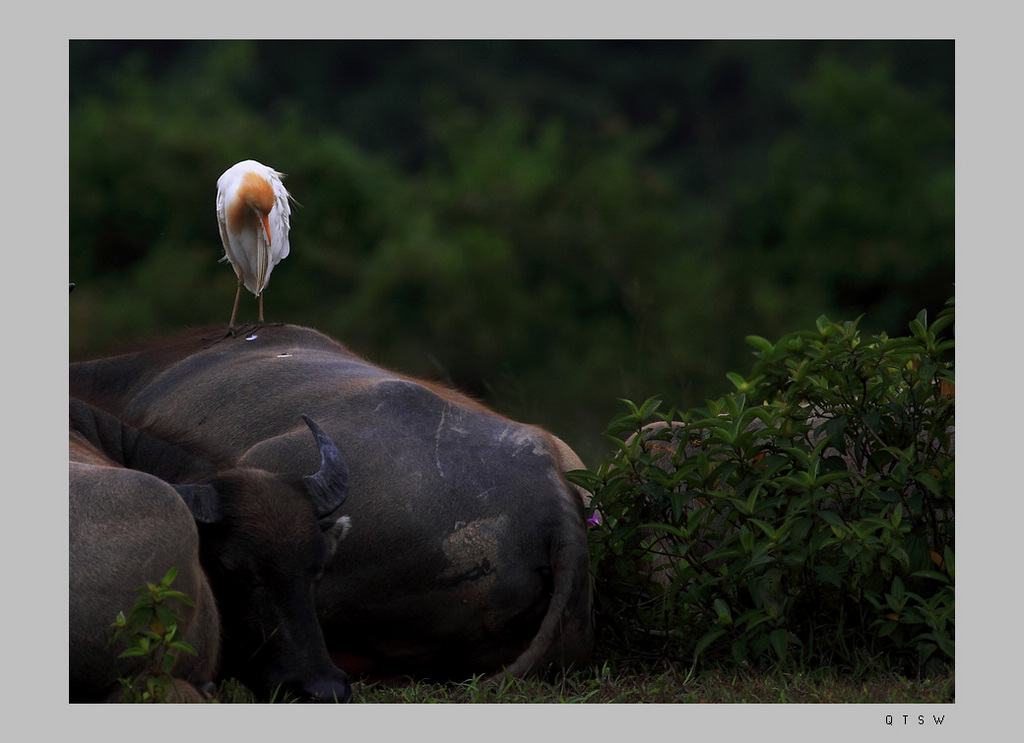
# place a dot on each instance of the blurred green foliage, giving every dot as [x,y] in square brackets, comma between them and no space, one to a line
[550,226]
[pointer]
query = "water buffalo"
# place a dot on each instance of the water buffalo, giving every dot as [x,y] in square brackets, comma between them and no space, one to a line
[255,540]
[476,560]
[127,529]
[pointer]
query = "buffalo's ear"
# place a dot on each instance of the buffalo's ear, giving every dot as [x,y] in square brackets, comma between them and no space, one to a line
[335,529]
[328,488]
[202,501]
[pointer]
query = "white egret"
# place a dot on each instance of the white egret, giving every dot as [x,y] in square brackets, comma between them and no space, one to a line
[253,214]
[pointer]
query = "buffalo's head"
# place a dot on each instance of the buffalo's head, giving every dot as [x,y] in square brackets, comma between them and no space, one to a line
[265,539]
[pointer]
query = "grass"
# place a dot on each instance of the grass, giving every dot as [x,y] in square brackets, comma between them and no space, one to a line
[600,685]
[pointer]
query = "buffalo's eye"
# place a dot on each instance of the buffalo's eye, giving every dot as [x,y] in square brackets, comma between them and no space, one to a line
[242,571]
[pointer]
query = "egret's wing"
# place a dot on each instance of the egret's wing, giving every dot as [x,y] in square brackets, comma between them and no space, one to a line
[222,225]
[280,221]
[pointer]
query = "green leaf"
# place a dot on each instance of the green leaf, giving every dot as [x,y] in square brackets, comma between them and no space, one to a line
[898,591]
[705,641]
[667,529]
[933,574]
[767,528]
[738,382]
[780,643]
[168,663]
[169,577]
[829,574]
[747,540]
[761,344]
[930,483]
[722,610]
[183,646]
[897,515]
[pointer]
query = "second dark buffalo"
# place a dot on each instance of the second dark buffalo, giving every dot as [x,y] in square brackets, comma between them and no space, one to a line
[261,539]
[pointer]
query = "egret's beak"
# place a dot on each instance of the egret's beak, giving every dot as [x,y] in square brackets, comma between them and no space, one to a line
[265,218]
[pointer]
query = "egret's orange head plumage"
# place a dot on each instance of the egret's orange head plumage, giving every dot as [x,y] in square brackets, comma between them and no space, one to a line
[254,193]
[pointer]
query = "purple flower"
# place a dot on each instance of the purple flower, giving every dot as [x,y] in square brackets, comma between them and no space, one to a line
[595,519]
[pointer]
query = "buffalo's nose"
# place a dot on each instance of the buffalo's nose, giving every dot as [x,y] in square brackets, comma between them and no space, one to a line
[329,685]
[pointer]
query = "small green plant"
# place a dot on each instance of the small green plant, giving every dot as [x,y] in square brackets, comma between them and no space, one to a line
[806,517]
[150,632]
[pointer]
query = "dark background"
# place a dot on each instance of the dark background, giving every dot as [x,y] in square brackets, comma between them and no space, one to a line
[548,225]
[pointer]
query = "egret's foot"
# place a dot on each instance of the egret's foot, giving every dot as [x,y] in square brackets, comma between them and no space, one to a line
[231,332]
[247,330]
[240,331]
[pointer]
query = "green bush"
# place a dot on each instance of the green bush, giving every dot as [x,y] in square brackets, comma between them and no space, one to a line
[807,517]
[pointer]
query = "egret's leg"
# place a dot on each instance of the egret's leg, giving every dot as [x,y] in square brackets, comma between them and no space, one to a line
[234,310]
[261,307]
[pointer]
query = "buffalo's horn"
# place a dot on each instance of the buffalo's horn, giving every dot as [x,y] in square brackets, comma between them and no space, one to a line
[328,487]
[202,501]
